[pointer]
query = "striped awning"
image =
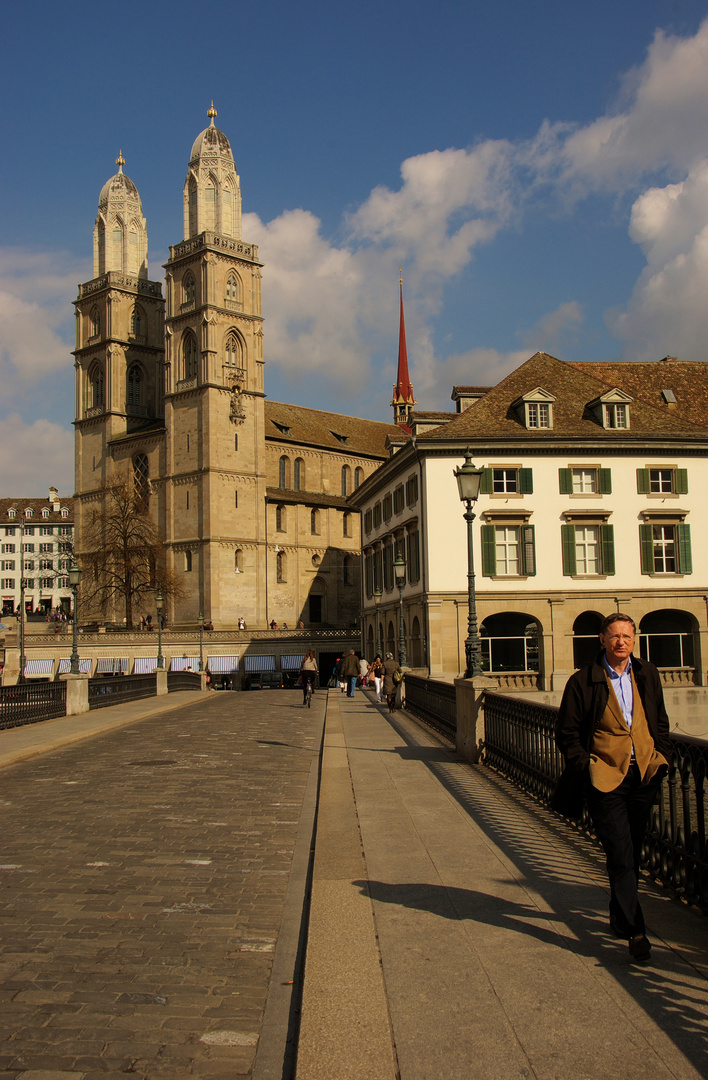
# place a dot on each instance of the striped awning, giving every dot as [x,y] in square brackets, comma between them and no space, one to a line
[144,665]
[39,667]
[84,665]
[184,663]
[113,665]
[291,663]
[222,664]
[259,663]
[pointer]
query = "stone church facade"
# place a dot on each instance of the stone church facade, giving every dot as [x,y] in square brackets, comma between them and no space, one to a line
[250,495]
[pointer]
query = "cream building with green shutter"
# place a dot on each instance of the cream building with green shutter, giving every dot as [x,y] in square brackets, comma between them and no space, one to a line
[591,501]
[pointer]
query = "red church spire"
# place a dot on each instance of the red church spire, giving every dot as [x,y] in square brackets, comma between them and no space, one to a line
[403,400]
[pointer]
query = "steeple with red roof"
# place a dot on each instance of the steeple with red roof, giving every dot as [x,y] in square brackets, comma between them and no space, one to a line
[403,400]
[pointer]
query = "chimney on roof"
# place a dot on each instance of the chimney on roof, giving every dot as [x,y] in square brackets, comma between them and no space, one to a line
[54,498]
[667,359]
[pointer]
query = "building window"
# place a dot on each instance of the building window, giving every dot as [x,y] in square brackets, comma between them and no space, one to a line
[348,570]
[46,583]
[509,643]
[233,289]
[188,562]
[585,480]
[299,475]
[665,549]
[238,561]
[48,548]
[136,322]
[506,481]
[377,515]
[46,564]
[232,351]
[284,472]
[141,479]
[508,550]
[378,569]
[368,522]
[187,507]
[615,415]
[235,500]
[387,508]
[388,575]
[369,573]
[588,550]
[46,530]
[315,522]
[95,323]
[8,583]
[346,480]
[280,518]
[8,564]
[235,442]
[538,414]
[666,639]
[398,499]
[9,548]
[135,386]
[189,356]
[280,567]
[188,290]
[413,559]
[358,477]
[45,512]
[412,490]
[346,524]
[662,481]
[97,390]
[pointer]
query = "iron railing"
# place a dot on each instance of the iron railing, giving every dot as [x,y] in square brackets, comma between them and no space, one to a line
[519,743]
[118,689]
[432,701]
[30,702]
[183,680]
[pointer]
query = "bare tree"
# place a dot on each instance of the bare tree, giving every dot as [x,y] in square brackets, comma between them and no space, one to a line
[122,553]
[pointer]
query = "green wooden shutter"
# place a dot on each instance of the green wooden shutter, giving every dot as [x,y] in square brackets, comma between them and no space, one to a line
[489,550]
[486,486]
[528,549]
[643,483]
[568,543]
[526,481]
[607,545]
[683,543]
[682,481]
[646,545]
[604,481]
[565,481]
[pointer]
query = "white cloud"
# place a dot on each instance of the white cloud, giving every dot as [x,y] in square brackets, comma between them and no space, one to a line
[36,319]
[555,332]
[36,457]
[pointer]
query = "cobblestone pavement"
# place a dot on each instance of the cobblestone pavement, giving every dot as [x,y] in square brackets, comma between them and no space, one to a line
[144,876]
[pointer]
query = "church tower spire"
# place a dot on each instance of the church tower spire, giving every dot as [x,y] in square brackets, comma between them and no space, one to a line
[212,190]
[120,233]
[403,400]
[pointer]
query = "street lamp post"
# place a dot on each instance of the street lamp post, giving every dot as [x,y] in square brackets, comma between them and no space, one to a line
[377,601]
[399,569]
[201,642]
[74,579]
[159,604]
[468,482]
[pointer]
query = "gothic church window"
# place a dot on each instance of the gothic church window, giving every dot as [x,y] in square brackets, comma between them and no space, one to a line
[136,322]
[188,289]
[280,567]
[232,350]
[280,518]
[95,323]
[358,477]
[188,562]
[97,389]
[315,522]
[135,386]
[233,288]
[189,351]
[284,472]
[346,480]
[141,479]
[299,475]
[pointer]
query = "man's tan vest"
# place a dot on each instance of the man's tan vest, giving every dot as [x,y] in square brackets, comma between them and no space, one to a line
[611,750]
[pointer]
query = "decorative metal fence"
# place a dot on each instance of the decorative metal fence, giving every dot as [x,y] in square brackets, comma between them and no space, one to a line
[117,690]
[28,703]
[519,743]
[432,701]
[183,680]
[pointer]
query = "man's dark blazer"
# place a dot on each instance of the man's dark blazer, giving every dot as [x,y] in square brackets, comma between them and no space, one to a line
[581,709]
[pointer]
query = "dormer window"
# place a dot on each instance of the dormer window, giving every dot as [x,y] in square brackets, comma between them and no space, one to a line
[612,409]
[45,512]
[29,512]
[12,513]
[536,409]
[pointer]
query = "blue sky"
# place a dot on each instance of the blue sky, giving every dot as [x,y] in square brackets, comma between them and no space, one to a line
[539,169]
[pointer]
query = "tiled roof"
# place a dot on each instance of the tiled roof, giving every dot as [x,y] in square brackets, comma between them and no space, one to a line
[297,424]
[37,505]
[464,390]
[573,387]
[645,381]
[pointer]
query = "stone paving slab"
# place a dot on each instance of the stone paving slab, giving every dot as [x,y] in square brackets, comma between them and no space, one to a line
[143,884]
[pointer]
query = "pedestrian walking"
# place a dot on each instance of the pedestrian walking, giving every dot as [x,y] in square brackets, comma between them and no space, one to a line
[390,684]
[350,671]
[308,673]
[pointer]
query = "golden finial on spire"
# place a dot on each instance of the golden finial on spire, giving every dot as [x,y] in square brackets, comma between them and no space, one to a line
[120,161]
[400,271]
[211,113]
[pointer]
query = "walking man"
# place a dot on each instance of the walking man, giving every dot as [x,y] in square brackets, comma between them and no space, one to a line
[613,732]
[350,671]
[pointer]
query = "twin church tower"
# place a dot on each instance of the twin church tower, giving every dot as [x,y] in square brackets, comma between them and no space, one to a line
[170,393]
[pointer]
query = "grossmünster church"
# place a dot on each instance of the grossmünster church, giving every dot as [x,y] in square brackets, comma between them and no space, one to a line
[249,494]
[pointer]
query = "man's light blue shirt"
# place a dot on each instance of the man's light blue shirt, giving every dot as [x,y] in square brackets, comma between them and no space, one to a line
[622,686]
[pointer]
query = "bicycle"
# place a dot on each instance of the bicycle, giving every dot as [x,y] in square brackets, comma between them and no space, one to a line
[308,694]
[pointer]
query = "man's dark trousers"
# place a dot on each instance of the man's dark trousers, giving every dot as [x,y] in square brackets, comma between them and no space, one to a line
[620,818]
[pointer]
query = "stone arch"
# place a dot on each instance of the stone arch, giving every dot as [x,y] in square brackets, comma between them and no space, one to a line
[510,642]
[666,637]
[586,640]
[96,386]
[190,355]
[416,657]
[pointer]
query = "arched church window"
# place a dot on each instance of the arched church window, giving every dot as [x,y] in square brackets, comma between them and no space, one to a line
[141,479]
[238,561]
[281,567]
[232,350]
[135,378]
[280,518]
[358,477]
[315,522]
[189,350]
[346,479]
[188,562]
[233,287]
[136,321]
[284,472]
[299,475]
[97,398]
[348,570]
[188,289]
[95,322]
